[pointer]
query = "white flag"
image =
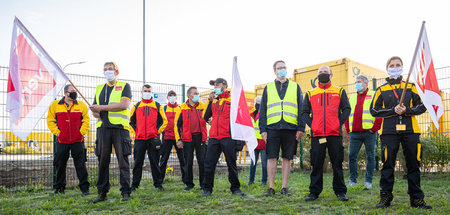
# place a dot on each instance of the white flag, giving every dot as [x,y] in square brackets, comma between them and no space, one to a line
[425,77]
[240,120]
[33,83]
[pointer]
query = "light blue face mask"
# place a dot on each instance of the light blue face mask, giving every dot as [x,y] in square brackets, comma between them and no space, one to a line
[282,73]
[218,91]
[195,98]
[358,86]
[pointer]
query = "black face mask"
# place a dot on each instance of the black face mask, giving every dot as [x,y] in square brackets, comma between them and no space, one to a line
[323,78]
[257,107]
[73,95]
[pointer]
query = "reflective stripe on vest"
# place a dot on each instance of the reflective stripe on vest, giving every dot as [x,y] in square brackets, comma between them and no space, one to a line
[115,117]
[367,118]
[256,127]
[286,108]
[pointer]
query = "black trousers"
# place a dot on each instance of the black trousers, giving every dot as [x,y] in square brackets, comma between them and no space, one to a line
[200,149]
[165,150]
[120,139]
[79,160]
[336,153]
[140,148]
[214,148]
[410,144]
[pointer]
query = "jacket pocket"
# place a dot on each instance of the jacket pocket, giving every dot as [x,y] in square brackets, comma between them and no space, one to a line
[156,143]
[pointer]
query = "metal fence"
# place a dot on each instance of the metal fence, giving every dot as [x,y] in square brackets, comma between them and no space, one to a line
[30,162]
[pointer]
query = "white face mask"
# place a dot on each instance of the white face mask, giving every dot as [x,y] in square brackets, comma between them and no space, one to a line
[147,95]
[109,75]
[395,72]
[172,99]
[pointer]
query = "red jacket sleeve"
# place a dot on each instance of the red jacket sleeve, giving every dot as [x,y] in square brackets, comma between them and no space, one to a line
[347,127]
[376,125]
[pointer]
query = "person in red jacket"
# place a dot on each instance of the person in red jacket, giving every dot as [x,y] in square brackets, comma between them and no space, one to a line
[219,106]
[172,109]
[68,119]
[325,109]
[148,121]
[260,148]
[191,134]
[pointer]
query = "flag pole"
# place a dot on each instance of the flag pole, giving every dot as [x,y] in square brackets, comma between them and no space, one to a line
[73,85]
[413,62]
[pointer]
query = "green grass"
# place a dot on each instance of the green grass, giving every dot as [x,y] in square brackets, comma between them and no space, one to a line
[148,200]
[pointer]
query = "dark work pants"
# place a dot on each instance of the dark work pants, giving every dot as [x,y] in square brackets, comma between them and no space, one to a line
[140,147]
[120,139]
[79,160]
[336,153]
[214,148]
[165,150]
[390,144]
[200,149]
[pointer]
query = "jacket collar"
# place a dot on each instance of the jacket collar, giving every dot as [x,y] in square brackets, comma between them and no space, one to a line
[394,81]
[172,105]
[147,101]
[325,86]
[224,95]
[62,101]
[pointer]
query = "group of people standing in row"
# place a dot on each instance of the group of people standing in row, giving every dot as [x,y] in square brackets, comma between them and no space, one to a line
[279,121]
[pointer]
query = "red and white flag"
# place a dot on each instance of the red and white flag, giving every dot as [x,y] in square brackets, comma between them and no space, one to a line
[240,120]
[425,77]
[34,81]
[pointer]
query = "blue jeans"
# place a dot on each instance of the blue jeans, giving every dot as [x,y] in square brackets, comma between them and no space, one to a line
[264,166]
[356,141]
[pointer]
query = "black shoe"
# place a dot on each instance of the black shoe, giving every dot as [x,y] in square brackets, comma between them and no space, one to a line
[239,192]
[342,197]
[311,197]
[188,188]
[85,193]
[269,192]
[285,191]
[100,198]
[419,203]
[263,184]
[250,183]
[133,189]
[385,199]
[206,193]
[59,190]
[160,188]
[125,197]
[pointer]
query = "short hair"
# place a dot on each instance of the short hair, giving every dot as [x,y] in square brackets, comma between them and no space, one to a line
[146,86]
[329,69]
[66,88]
[258,99]
[275,64]
[393,58]
[112,63]
[362,77]
[190,89]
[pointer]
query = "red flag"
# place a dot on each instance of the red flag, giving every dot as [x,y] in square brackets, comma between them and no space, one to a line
[34,81]
[424,75]
[240,120]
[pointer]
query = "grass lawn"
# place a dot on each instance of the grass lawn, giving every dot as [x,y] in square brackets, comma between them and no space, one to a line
[148,200]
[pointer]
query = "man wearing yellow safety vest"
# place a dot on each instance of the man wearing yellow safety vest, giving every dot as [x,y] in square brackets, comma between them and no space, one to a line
[362,128]
[110,106]
[280,124]
[325,110]
[399,126]
[260,148]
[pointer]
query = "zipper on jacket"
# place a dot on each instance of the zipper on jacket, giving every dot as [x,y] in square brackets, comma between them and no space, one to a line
[324,115]
[218,115]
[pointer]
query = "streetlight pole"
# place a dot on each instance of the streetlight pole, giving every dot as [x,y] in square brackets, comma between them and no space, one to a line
[143,41]
[81,62]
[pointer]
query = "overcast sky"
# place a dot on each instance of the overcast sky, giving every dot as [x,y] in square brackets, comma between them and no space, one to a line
[193,41]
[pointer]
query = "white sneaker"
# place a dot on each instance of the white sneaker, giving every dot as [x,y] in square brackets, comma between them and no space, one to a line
[368,185]
[351,184]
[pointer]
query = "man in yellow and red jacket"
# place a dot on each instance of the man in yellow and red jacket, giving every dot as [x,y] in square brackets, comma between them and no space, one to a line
[68,119]
[172,109]
[191,133]
[220,138]
[325,109]
[148,121]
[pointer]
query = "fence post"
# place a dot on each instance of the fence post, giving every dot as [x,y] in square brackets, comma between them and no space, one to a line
[54,154]
[374,83]
[183,93]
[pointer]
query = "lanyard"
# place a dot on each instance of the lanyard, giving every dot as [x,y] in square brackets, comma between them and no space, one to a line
[395,93]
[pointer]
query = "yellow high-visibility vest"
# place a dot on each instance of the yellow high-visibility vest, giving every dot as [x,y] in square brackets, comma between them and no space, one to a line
[115,117]
[286,108]
[367,118]
[256,128]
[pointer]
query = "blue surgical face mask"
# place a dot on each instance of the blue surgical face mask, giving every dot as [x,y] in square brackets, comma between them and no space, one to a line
[358,86]
[196,98]
[218,91]
[395,72]
[282,73]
